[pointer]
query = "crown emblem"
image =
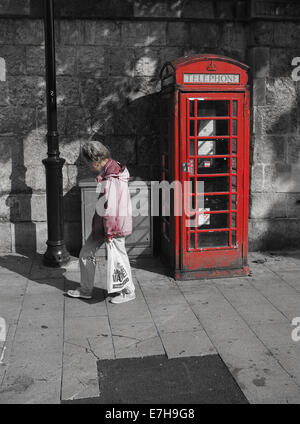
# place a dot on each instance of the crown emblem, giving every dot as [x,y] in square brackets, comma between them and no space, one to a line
[211,67]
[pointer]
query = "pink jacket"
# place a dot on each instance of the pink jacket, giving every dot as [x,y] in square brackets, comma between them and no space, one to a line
[113,214]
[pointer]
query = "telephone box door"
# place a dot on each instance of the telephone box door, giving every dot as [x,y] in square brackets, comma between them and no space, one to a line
[211,152]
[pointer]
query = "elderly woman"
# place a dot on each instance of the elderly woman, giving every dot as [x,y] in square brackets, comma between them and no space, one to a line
[112,220]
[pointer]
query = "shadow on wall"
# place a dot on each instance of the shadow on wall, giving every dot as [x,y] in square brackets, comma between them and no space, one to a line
[275,192]
[105,92]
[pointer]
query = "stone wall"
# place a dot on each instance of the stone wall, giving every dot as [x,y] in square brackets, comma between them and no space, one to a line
[108,59]
[275,177]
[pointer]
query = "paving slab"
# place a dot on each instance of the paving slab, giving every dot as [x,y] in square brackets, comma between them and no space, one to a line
[15,264]
[187,343]
[86,339]
[79,378]
[172,318]
[251,304]
[136,340]
[131,312]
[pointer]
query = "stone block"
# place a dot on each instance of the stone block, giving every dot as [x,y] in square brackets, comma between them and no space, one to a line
[233,36]
[270,149]
[203,35]
[35,147]
[283,233]
[141,172]
[282,178]
[120,62]
[15,7]
[90,61]
[147,115]
[69,150]
[145,8]
[7,31]
[143,33]
[123,148]
[224,10]
[4,98]
[102,33]
[258,231]
[259,92]
[258,122]
[23,237]
[76,173]
[148,149]
[65,58]
[293,205]
[92,93]
[6,163]
[280,62]
[277,119]
[268,205]
[262,33]
[30,31]
[38,207]
[5,239]
[72,31]
[36,177]
[257,176]
[27,207]
[77,122]
[202,9]
[280,91]
[16,120]
[293,149]
[67,89]
[286,34]
[41,236]
[146,62]
[35,60]
[5,210]
[260,61]
[168,54]
[29,90]
[177,33]
[14,57]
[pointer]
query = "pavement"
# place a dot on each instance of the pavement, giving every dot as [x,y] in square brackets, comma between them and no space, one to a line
[54,344]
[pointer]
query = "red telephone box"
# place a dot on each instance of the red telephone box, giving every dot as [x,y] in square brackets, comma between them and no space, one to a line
[205,147]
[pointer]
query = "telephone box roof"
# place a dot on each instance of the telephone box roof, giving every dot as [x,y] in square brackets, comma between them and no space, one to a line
[185,60]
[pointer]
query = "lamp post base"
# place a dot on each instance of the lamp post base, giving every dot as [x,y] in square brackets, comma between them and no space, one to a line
[56,255]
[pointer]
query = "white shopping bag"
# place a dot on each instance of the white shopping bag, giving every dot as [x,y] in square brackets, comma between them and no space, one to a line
[118,271]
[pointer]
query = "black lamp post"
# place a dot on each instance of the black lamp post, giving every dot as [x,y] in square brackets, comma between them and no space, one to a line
[56,254]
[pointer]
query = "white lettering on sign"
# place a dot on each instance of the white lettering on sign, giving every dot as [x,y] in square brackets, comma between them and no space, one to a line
[212,78]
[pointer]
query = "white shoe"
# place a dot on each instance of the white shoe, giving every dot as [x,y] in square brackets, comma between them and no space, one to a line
[123,297]
[78,294]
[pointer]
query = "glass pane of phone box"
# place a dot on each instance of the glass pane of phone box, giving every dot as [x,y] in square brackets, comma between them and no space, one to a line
[217,239]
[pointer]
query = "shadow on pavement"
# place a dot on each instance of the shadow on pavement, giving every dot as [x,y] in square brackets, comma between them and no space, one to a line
[159,380]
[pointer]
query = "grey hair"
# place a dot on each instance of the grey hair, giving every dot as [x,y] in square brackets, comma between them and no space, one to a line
[94,150]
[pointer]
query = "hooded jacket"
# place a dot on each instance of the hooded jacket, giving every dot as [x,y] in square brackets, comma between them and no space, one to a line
[113,211]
